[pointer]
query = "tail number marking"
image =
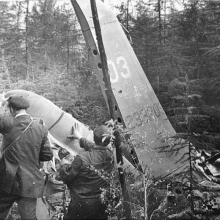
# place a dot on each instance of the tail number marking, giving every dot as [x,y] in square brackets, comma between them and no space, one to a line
[122,64]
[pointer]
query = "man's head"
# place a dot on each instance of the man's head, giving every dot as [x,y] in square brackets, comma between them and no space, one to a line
[17,103]
[62,153]
[101,135]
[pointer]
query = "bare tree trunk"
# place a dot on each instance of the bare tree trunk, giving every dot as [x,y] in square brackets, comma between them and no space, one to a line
[159,16]
[26,40]
[7,83]
[68,44]
[17,32]
[164,22]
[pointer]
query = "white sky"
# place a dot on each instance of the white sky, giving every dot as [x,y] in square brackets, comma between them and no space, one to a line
[110,2]
[114,2]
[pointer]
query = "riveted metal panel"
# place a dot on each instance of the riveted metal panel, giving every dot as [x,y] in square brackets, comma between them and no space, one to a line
[139,106]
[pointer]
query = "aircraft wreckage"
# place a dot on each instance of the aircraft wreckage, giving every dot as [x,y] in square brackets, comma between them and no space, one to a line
[140,109]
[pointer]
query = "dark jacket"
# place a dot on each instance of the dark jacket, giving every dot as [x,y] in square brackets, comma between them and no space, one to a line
[20,165]
[82,175]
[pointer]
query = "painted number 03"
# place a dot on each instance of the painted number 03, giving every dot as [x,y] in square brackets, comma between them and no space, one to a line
[122,64]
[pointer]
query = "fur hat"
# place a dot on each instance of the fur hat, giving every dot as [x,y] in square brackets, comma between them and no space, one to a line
[19,102]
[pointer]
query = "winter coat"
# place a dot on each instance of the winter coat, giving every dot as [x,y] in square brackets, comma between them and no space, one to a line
[85,177]
[20,164]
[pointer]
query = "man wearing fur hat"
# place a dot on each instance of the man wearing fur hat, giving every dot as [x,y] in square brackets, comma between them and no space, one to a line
[24,145]
[82,176]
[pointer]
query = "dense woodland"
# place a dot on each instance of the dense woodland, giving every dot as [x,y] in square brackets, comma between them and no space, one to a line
[43,50]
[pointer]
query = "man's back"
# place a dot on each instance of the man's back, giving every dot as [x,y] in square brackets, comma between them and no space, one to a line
[95,164]
[85,176]
[20,164]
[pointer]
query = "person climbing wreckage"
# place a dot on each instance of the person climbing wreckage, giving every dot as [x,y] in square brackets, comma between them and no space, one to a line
[81,176]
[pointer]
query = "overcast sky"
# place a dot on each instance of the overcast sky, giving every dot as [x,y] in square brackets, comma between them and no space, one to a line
[110,2]
[116,2]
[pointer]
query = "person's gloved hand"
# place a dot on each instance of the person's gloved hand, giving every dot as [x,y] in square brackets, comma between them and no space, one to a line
[75,132]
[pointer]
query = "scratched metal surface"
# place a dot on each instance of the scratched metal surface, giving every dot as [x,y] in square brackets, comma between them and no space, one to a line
[139,106]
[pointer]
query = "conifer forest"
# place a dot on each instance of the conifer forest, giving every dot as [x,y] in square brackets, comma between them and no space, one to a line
[42,49]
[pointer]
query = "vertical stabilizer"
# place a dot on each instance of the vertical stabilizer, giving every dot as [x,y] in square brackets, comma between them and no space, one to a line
[139,106]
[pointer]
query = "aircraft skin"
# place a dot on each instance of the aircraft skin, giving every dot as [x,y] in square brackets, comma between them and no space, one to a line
[58,122]
[138,104]
[60,125]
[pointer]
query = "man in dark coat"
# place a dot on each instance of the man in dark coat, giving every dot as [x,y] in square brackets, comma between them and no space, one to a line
[82,178]
[25,144]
